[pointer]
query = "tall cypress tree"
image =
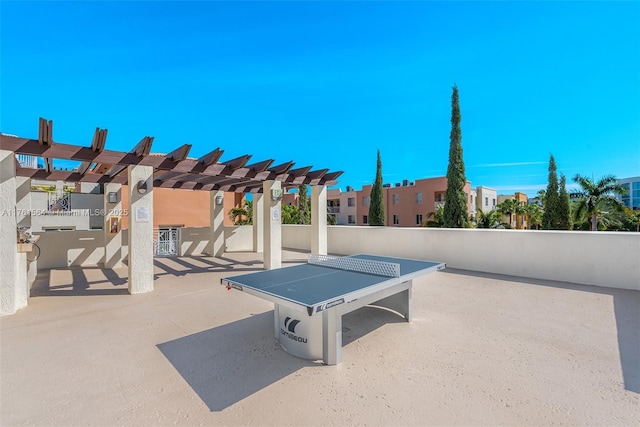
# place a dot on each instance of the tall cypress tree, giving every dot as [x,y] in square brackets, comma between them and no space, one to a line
[564,207]
[550,218]
[376,205]
[304,210]
[455,207]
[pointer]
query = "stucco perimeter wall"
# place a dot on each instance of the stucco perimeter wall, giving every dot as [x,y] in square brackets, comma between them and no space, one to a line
[297,237]
[238,238]
[194,240]
[67,248]
[593,258]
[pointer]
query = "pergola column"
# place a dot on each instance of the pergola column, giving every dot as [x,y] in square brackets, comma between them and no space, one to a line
[9,292]
[216,223]
[258,222]
[112,233]
[319,219]
[140,179]
[23,219]
[271,215]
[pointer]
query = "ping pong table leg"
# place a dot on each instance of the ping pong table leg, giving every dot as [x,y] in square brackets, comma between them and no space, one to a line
[276,320]
[331,337]
[399,302]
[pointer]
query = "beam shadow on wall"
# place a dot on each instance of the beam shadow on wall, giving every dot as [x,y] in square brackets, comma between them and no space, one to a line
[78,281]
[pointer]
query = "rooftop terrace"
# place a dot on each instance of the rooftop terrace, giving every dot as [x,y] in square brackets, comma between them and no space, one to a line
[483,349]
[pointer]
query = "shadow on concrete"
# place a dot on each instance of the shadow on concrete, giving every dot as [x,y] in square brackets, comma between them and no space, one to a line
[626,304]
[164,264]
[226,364]
[82,281]
[365,320]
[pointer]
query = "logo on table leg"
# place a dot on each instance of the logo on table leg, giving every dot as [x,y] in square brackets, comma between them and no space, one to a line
[290,332]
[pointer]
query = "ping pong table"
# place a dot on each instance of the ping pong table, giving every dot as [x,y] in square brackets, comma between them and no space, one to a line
[310,299]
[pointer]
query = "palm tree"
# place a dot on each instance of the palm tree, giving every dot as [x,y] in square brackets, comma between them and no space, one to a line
[523,212]
[534,215]
[633,218]
[509,207]
[595,198]
[490,219]
[436,218]
[290,214]
[242,215]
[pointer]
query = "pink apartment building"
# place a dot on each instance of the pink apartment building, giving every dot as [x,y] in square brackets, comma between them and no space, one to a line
[407,204]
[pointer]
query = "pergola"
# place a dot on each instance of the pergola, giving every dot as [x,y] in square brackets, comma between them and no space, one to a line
[143,170]
[173,170]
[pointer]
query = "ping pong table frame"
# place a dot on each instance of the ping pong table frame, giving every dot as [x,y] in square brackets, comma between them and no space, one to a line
[394,294]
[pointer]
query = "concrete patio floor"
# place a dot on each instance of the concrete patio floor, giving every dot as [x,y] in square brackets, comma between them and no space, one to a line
[483,349]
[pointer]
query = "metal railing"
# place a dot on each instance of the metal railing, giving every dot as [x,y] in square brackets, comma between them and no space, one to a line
[27,161]
[58,201]
[166,241]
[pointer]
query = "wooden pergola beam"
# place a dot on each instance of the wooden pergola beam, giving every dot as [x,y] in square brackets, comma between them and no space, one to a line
[97,145]
[179,154]
[211,157]
[174,170]
[330,178]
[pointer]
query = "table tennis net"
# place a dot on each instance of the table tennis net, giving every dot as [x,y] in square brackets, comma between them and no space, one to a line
[379,268]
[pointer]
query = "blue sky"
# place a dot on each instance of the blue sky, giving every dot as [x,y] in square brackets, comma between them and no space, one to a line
[328,83]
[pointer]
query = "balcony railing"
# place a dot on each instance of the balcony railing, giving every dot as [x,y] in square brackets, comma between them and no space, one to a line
[58,201]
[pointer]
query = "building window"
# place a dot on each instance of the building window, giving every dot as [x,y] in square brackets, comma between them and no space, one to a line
[419,219]
[351,219]
[351,201]
[635,194]
[366,200]
[396,220]
[486,201]
[58,228]
[626,197]
[494,203]
[396,199]
[439,197]
[419,198]
[365,219]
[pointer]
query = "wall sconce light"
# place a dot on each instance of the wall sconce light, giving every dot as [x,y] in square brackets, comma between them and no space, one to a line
[219,200]
[141,186]
[113,197]
[276,194]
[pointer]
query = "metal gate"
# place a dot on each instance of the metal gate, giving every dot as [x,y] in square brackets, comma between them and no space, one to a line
[166,241]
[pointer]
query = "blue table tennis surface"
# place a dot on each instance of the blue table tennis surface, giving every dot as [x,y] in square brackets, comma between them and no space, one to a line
[310,284]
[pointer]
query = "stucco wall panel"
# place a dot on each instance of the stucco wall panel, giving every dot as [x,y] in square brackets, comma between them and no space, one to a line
[593,258]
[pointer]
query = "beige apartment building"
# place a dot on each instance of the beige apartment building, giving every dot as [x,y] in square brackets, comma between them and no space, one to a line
[486,198]
[518,221]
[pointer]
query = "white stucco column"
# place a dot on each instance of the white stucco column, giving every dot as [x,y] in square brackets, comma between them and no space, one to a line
[258,223]
[140,230]
[24,211]
[23,201]
[113,234]
[9,260]
[216,223]
[271,216]
[319,219]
